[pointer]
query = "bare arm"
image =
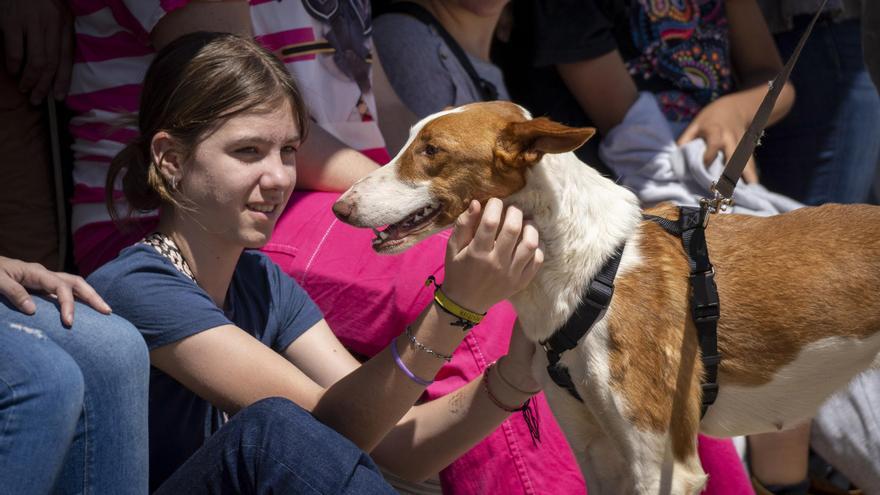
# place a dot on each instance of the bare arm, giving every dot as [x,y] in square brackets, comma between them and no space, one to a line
[431,435]
[756,61]
[395,118]
[602,87]
[324,163]
[231,369]
[436,433]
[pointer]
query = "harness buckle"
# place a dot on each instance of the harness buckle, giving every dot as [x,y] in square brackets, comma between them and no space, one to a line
[710,393]
[708,312]
[718,203]
[706,306]
[599,296]
[561,377]
[712,360]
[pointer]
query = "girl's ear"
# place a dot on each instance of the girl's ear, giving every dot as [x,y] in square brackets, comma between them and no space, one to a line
[165,153]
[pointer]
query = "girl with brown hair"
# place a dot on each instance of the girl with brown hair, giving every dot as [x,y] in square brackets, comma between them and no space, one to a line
[231,336]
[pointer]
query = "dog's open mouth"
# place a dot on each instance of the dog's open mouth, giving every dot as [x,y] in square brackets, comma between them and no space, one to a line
[396,233]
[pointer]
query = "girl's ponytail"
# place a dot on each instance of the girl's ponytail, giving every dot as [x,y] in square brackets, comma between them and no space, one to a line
[142,184]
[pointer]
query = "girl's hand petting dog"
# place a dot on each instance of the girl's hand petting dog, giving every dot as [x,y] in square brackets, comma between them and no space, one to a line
[491,255]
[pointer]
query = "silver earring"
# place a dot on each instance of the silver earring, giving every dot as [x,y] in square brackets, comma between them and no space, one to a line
[173,182]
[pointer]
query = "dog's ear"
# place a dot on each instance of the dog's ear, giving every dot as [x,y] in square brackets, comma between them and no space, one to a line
[527,141]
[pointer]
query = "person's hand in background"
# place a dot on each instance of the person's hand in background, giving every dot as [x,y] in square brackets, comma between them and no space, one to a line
[721,124]
[17,276]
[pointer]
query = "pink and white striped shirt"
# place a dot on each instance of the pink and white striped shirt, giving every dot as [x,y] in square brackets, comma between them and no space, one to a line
[113,51]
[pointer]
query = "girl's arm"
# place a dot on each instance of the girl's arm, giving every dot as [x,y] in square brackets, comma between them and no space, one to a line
[324,163]
[431,435]
[756,60]
[485,263]
[394,118]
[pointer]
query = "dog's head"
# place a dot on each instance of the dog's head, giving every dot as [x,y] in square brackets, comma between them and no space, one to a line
[477,151]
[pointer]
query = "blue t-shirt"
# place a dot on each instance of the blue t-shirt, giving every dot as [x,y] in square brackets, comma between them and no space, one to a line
[166,306]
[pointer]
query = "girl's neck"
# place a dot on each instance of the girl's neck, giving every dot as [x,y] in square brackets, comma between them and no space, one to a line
[472,31]
[211,260]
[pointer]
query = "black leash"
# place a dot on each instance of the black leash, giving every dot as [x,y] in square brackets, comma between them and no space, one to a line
[705,305]
[593,304]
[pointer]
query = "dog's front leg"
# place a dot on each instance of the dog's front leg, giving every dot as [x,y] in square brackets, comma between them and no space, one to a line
[597,448]
[646,398]
[621,453]
[602,463]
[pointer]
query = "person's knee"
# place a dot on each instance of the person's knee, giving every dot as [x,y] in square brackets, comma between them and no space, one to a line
[48,381]
[127,343]
[277,432]
[120,348]
[277,419]
[273,413]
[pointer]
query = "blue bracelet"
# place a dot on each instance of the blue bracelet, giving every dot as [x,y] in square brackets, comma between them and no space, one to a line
[402,366]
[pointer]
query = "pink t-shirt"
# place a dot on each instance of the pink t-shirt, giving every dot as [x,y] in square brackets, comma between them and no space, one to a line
[113,52]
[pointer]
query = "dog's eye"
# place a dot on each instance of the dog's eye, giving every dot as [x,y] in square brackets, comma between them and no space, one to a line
[430,150]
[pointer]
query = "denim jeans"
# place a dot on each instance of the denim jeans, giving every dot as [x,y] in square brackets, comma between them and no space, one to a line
[274,446]
[73,403]
[827,149]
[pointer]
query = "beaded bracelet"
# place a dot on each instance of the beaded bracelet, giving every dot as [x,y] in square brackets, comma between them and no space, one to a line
[422,347]
[465,318]
[404,369]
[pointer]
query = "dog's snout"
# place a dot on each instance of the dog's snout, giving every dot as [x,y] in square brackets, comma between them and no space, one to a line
[343,209]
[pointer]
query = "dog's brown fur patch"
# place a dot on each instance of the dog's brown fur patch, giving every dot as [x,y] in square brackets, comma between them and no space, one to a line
[465,142]
[653,343]
[767,270]
[482,154]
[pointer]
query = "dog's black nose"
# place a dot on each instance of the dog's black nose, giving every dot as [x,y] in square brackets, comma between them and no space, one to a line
[343,210]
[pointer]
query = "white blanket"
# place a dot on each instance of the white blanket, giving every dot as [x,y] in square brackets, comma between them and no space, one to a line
[643,153]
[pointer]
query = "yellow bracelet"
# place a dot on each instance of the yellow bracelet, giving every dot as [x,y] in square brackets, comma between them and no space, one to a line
[453,308]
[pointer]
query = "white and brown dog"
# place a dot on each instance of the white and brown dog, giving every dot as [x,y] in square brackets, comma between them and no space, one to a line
[800,313]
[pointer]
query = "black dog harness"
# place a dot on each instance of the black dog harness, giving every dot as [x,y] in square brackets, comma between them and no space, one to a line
[591,309]
[705,308]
